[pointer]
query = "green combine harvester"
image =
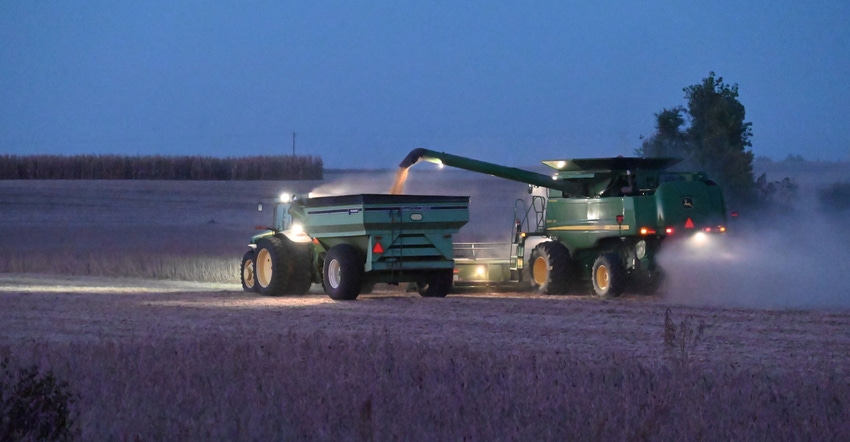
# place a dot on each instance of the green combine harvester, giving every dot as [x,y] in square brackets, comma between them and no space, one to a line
[349,243]
[602,220]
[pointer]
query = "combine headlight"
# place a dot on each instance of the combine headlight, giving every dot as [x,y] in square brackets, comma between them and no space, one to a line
[700,238]
[285,197]
[640,249]
[480,271]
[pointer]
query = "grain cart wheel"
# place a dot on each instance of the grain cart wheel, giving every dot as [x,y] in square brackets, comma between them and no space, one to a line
[300,263]
[270,266]
[246,274]
[609,276]
[438,285]
[551,268]
[343,272]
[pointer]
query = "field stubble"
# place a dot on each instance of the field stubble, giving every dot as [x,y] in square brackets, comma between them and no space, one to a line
[174,361]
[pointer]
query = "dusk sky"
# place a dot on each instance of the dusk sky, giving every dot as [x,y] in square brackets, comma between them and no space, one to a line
[364,82]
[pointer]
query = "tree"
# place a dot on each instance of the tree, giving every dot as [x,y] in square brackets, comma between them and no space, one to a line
[715,140]
[669,139]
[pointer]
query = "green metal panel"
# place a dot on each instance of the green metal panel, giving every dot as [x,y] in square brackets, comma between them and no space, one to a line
[396,233]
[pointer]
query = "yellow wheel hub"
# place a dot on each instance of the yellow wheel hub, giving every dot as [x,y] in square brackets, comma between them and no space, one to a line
[540,271]
[602,277]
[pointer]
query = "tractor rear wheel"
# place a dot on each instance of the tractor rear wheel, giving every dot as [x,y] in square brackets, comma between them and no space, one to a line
[438,284]
[299,271]
[343,272]
[550,267]
[247,272]
[608,276]
[270,266]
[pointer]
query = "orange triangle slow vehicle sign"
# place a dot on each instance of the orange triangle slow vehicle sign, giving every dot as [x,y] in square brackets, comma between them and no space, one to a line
[689,224]
[378,248]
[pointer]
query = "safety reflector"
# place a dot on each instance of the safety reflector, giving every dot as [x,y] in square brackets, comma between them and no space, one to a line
[378,248]
[689,224]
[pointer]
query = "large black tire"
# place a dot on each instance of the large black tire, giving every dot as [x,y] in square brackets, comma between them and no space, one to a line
[438,285]
[550,268]
[299,271]
[608,276]
[343,272]
[247,273]
[271,266]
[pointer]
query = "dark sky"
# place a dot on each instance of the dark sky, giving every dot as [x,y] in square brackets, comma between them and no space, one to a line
[363,82]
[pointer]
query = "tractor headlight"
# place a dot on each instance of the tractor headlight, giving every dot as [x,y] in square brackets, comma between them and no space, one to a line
[285,197]
[640,249]
[297,229]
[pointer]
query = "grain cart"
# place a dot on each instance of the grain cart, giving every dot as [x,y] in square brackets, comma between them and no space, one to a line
[602,220]
[349,243]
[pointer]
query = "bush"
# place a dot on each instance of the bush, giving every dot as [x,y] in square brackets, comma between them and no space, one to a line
[34,405]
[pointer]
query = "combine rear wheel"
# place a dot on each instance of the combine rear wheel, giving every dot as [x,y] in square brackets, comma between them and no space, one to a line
[609,276]
[438,285]
[247,274]
[343,272]
[270,267]
[551,268]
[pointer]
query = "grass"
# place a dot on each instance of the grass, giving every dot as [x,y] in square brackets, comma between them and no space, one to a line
[380,386]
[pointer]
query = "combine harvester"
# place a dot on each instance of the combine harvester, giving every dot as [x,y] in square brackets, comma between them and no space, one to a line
[602,220]
[349,243]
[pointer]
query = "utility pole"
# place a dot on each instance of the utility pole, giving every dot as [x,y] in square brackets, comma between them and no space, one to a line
[293,144]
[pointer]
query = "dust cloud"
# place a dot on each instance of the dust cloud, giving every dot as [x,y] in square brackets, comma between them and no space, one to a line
[798,261]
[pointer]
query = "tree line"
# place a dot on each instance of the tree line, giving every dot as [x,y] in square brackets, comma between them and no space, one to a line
[159,167]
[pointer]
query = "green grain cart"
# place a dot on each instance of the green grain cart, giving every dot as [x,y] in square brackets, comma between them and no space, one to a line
[349,243]
[601,220]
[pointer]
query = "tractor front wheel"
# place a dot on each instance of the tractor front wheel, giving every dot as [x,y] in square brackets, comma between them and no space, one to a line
[247,274]
[609,276]
[343,272]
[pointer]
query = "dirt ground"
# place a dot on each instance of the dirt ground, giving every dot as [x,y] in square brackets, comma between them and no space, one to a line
[40,308]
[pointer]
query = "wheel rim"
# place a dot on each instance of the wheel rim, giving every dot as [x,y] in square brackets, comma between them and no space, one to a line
[540,270]
[263,271]
[602,277]
[248,274]
[334,273]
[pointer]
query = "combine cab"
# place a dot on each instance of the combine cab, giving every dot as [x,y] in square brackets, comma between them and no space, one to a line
[601,221]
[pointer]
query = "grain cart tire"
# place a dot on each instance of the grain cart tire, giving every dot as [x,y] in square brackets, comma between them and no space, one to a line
[247,273]
[551,268]
[343,272]
[608,276]
[270,267]
[299,270]
[438,284]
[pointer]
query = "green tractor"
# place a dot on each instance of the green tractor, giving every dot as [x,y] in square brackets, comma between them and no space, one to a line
[601,220]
